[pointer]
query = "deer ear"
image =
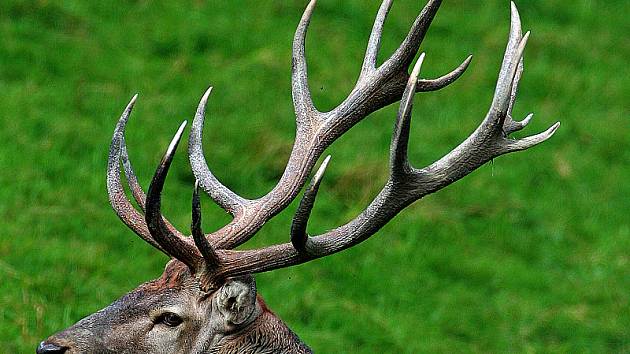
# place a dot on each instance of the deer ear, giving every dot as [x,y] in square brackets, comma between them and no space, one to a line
[236,301]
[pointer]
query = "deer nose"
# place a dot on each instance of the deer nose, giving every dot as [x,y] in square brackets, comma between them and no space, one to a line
[50,348]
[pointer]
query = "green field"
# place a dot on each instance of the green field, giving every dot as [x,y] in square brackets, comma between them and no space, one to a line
[531,253]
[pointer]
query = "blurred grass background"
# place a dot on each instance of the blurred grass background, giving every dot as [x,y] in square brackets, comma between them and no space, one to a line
[527,254]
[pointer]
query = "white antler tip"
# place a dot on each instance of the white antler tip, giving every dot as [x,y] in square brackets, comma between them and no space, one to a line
[183,125]
[132,102]
[514,12]
[206,94]
[173,145]
[416,68]
[322,168]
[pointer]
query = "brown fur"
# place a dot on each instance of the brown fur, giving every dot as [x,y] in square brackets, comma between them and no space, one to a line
[174,277]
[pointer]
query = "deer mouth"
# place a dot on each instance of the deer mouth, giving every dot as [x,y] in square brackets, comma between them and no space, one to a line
[47,347]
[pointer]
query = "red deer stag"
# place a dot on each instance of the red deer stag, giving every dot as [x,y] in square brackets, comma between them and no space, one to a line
[206,299]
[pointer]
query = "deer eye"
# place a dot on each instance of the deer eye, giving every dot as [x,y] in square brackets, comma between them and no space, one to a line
[169,319]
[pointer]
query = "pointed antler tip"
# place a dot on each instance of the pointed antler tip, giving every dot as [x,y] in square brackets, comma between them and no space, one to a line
[416,68]
[132,102]
[204,98]
[530,141]
[464,65]
[201,108]
[514,10]
[523,43]
[421,56]
[515,20]
[320,171]
[207,93]
[175,141]
[122,121]
[539,138]
[555,127]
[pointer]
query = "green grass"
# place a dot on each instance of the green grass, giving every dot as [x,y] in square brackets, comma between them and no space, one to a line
[528,254]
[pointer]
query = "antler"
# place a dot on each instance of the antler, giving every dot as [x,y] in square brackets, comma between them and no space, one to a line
[376,87]
[213,257]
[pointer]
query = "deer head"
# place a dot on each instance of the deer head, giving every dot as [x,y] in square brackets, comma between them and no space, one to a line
[206,299]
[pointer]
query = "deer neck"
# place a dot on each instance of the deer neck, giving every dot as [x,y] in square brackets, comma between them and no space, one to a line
[266,334]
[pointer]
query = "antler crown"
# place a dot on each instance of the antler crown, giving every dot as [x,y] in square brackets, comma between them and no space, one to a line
[212,256]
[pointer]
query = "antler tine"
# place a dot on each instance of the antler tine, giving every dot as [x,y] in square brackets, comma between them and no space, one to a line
[299,237]
[502,100]
[374,43]
[399,164]
[223,196]
[177,247]
[405,185]
[514,40]
[305,110]
[516,35]
[427,85]
[117,197]
[211,258]
[530,141]
[510,124]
